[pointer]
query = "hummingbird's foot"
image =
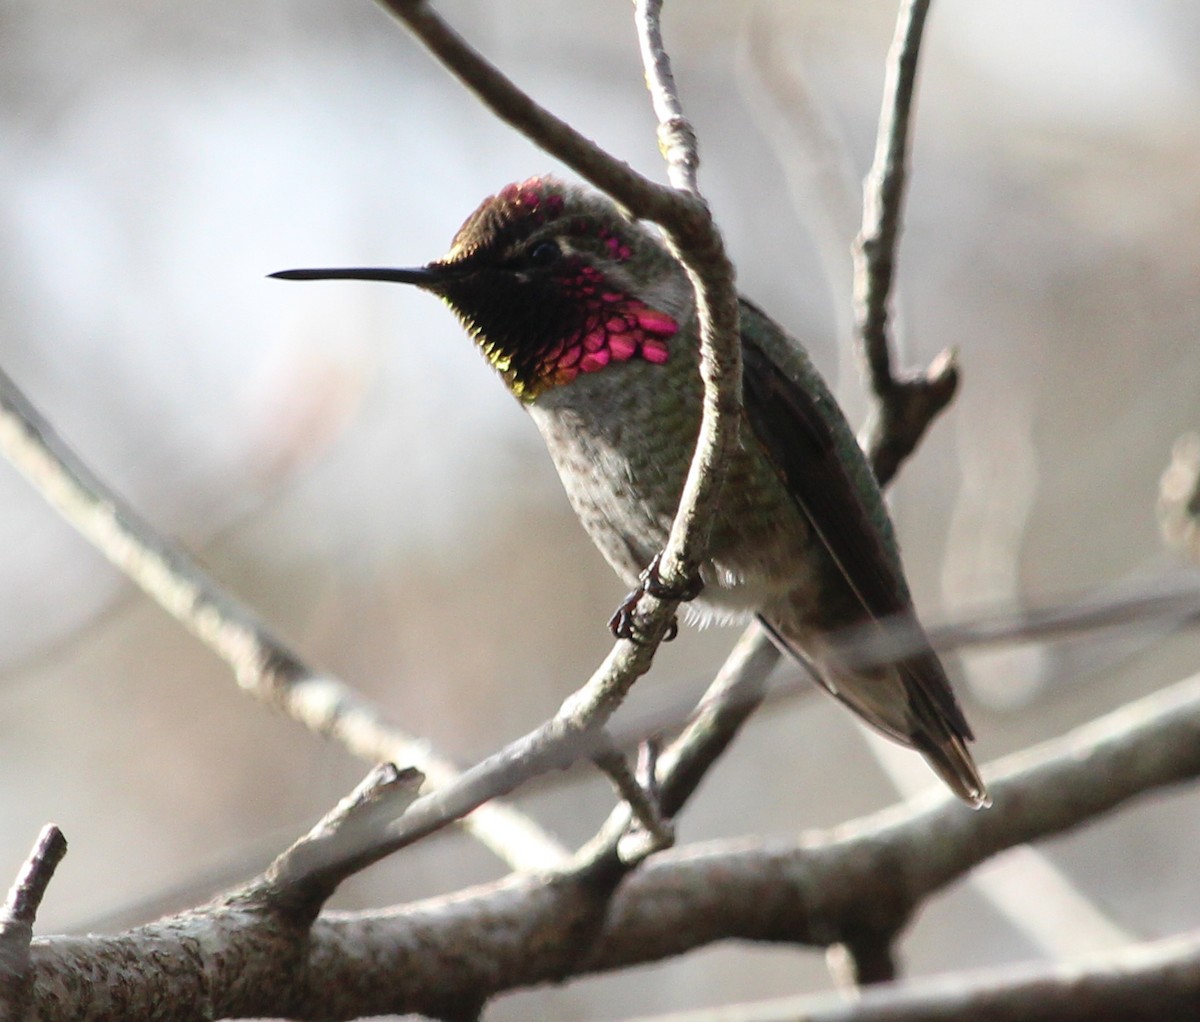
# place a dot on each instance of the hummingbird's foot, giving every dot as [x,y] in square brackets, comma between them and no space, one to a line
[623,624]
[651,582]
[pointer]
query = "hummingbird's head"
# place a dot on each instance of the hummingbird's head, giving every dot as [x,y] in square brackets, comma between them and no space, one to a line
[551,281]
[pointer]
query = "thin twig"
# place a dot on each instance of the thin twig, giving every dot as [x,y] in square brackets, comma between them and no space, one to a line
[654,832]
[1170,600]
[904,406]
[310,870]
[676,138]
[689,231]
[264,666]
[643,198]
[736,692]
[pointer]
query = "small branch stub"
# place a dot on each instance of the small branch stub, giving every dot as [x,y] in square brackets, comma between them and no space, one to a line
[17,918]
[1179,498]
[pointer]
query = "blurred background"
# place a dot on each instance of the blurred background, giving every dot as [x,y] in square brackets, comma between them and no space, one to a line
[343,460]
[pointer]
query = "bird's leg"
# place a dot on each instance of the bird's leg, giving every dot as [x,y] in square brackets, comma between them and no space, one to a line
[650,583]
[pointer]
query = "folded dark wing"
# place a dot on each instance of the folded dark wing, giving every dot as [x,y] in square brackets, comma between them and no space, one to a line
[802,443]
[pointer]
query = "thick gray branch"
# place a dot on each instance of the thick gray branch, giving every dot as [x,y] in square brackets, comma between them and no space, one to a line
[442,956]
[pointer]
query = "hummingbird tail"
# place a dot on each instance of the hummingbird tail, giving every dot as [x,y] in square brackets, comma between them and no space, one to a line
[947,754]
[910,702]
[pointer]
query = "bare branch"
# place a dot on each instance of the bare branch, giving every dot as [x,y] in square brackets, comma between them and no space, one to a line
[904,405]
[1167,601]
[642,197]
[25,895]
[339,845]
[736,692]
[652,831]
[264,666]
[860,880]
[676,137]
[1179,498]
[1153,982]
[17,917]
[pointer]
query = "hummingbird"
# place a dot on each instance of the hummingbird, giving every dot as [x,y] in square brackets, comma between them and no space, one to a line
[591,323]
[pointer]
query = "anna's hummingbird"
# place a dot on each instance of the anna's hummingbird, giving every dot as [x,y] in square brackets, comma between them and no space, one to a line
[591,323]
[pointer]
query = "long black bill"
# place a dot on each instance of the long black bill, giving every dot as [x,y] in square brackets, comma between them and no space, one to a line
[422,276]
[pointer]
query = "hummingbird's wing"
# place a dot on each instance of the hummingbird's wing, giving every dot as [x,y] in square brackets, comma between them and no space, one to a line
[811,450]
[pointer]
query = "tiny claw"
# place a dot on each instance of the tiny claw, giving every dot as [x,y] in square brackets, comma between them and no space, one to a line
[652,583]
[623,623]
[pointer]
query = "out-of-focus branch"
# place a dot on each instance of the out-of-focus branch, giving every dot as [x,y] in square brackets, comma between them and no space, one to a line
[17,917]
[904,405]
[443,956]
[1179,498]
[1152,982]
[264,666]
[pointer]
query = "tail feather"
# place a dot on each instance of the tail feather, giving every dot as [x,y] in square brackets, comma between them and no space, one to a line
[911,703]
[950,760]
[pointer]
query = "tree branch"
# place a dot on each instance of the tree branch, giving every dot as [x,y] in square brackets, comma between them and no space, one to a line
[340,844]
[1179,498]
[265,667]
[904,406]
[17,917]
[736,692]
[441,956]
[676,137]
[1152,982]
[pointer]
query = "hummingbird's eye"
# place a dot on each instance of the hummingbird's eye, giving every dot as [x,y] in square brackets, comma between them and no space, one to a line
[544,253]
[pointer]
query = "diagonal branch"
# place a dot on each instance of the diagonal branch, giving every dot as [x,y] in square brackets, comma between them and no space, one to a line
[264,665]
[339,846]
[735,694]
